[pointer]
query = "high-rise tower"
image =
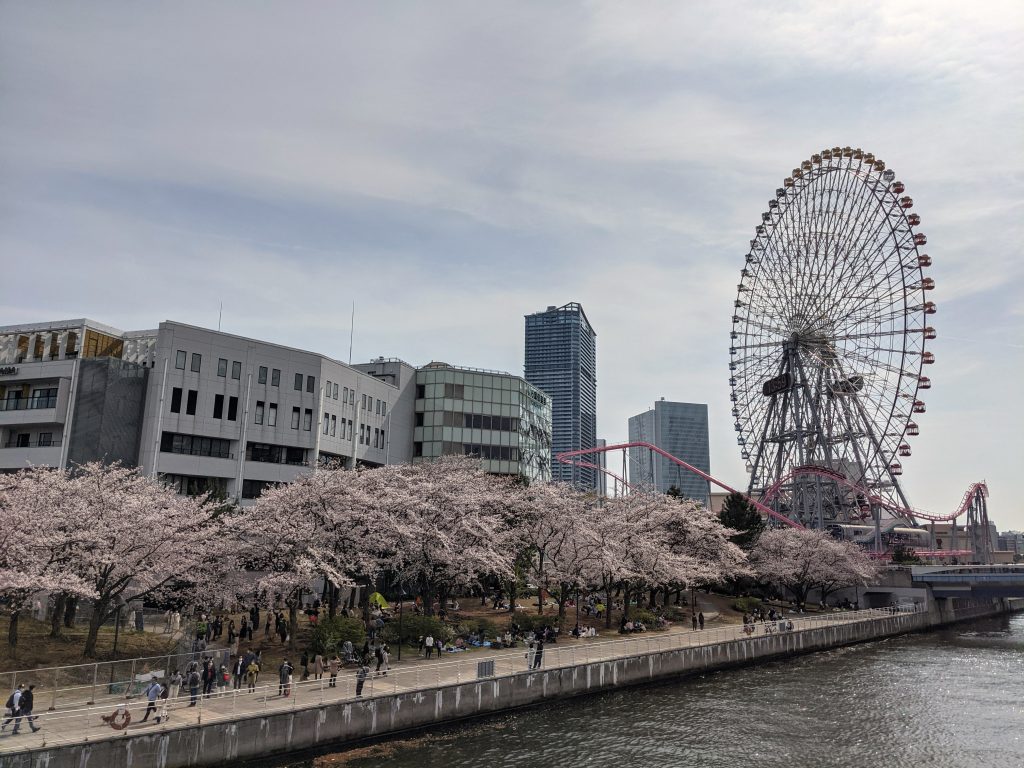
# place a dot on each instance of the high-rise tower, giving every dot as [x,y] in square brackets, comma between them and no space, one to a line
[561,360]
[680,429]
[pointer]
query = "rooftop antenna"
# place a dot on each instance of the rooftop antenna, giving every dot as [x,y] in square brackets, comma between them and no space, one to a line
[351,331]
[220,314]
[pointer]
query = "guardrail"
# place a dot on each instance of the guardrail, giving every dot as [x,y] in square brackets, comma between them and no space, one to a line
[81,722]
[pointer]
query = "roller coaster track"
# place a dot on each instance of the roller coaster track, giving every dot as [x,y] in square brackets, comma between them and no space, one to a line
[575,458]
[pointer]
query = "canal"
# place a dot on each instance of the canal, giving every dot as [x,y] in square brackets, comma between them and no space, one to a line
[945,699]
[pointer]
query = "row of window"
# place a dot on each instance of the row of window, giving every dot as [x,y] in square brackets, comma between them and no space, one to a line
[490,452]
[194,445]
[24,440]
[471,421]
[275,454]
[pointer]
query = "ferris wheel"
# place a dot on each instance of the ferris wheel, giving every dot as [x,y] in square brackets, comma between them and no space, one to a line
[827,348]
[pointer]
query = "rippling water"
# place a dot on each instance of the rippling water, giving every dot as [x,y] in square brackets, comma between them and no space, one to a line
[945,699]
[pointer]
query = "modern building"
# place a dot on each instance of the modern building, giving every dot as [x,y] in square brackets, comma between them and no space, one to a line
[204,410]
[494,415]
[561,360]
[680,429]
[71,392]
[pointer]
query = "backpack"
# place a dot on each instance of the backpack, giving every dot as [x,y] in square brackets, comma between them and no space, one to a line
[10,703]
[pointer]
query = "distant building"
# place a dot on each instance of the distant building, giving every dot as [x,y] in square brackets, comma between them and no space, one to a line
[471,412]
[601,460]
[561,360]
[680,429]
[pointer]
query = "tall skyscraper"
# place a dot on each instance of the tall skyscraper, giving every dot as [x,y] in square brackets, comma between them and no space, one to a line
[680,429]
[561,361]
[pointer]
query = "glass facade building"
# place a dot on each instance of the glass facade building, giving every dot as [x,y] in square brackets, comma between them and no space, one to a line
[496,416]
[561,360]
[680,429]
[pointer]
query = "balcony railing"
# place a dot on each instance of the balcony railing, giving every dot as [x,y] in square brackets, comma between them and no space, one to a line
[36,444]
[27,403]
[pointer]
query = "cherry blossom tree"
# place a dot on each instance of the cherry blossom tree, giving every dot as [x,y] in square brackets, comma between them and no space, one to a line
[800,559]
[137,539]
[34,541]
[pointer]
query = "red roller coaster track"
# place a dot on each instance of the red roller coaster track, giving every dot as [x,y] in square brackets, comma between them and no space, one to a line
[573,457]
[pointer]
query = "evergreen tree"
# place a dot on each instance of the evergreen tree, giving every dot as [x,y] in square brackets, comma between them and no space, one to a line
[740,514]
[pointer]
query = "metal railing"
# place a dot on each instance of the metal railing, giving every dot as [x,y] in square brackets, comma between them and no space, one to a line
[37,444]
[27,403]
[80,706]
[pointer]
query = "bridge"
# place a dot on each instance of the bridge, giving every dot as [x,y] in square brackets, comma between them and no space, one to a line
[971,581]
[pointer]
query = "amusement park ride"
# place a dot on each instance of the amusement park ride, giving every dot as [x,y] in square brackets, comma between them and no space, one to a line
[827,357]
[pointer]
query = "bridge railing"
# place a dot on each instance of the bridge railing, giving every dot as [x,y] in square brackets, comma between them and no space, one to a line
[79,722]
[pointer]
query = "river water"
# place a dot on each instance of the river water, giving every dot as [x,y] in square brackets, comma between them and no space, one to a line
[945,699]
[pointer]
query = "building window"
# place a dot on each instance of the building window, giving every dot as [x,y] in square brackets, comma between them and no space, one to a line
[222,367]
[197,362]
[384,408]
[362,403]
[272,415]
[327,389]
[275,377]
[45,438]
[194,445]
[259,411]
[351,431]
[218,406]
[298,382]
[236,370]
[253,489]
[376,437]
[334,426]
[262,376]
[421,391]
[383,443]
[232,409]
[417,449]
[335,390]
[262,452]
[307,420]
[327,424]
[176,400]
[310,383]
[344,395]
[179,360]
[378,406]
[419,419]
[190,403]
[295,418]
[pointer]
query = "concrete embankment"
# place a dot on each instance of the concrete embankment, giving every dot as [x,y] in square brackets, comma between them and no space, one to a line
[337,723]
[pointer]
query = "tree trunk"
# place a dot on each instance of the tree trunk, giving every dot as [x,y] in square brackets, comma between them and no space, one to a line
[58,614]
[293,623]
[625,603]
[540,583]
[99,613]
[332,601]
[12,629]
[563,596]
[652,601]
[70,609]
[607,606]
[679,596]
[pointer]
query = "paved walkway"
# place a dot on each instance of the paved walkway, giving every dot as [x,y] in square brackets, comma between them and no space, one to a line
[83,723]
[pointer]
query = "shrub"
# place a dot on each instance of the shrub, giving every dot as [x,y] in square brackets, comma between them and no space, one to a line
[329,634]
[486,626]
[675,613]
[746,604]
[647,617]
[414,626]
[534,621]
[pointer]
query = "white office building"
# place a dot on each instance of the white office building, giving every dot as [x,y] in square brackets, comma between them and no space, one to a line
[202,409]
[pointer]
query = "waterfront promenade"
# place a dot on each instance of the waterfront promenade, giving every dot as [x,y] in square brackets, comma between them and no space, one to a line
[74,722]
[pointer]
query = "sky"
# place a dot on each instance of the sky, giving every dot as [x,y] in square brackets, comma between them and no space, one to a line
[453,166]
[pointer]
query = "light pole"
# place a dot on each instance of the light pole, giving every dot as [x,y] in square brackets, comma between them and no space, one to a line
[401,605]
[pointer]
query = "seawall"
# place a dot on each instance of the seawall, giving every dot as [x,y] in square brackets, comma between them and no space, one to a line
[259,736]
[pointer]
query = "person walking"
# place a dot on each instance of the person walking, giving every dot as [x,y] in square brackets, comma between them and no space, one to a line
[700,619]
[361,674]
[284,676]
[694,617]
[304,663]
[538,656]
[378,654]
[238,672]
[14,706]
[153,691]
[428,645]
[531,651]
[333,665]
[193,685]
[318,667]
[385,655]
[251,673]
[27,704]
